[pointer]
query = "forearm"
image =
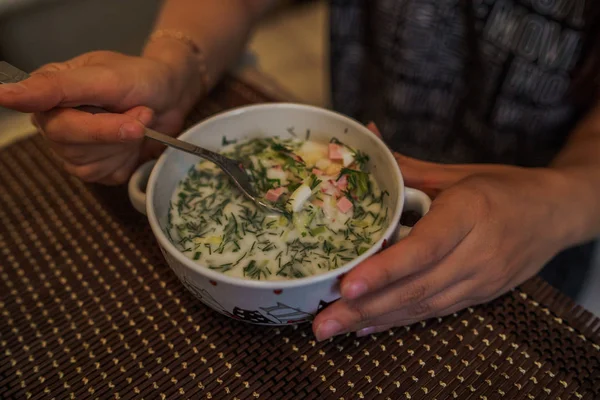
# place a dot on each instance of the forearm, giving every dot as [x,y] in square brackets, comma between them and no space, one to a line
[579,166]
[220,28]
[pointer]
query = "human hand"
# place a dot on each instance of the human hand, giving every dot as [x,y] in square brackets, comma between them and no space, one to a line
[489,229]
[103,148]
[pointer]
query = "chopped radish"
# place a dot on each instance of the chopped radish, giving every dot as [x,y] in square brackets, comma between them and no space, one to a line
[347,158]
[342,183]
[274,194]
[330,188]
[300,196]
[344,205]
[317,171]
[335,152]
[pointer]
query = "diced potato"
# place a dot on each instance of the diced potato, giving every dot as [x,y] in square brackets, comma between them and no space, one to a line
[312,152]
[277,173]
[333,170]
[209,240]
[323,164]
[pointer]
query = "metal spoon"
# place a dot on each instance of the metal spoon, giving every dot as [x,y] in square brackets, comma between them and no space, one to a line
[232,168]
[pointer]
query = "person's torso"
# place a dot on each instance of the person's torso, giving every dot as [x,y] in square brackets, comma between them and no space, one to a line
[401,64]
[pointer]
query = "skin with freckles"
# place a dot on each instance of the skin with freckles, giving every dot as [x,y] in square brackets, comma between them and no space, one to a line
[469,249]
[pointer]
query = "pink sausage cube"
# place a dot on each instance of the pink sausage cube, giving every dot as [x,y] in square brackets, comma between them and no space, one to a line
[331,189]
[342,183]
[274,194]
[344,205]
[317,171]
[335,152]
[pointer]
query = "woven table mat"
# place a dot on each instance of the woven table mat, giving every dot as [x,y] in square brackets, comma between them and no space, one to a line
[89,309]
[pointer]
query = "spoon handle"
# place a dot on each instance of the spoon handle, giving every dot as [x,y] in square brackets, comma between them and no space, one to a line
[216,158]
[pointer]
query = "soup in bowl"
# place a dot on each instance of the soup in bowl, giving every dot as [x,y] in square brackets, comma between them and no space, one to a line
[340,189]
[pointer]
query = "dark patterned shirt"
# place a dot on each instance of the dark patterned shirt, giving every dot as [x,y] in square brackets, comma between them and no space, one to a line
[401,64]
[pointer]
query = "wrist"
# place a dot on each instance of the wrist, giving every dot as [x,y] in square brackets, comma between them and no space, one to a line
[576,217]
[183,70]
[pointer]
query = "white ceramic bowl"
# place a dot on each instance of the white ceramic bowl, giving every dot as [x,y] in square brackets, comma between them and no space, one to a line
[267,302]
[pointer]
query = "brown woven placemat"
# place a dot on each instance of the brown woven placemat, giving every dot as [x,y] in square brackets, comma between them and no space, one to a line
[89,309]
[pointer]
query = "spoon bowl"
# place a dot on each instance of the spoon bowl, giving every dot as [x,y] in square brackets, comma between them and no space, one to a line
[234,169]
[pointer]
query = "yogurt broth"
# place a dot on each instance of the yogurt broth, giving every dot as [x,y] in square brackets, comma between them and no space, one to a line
[334,210]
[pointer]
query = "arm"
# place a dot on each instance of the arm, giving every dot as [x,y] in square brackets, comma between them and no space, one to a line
[579,166]
[220,28]
[156,90]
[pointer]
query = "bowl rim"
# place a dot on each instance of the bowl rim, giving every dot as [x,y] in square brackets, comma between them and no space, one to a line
[169,247]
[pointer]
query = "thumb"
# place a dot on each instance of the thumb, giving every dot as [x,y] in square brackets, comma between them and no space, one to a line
[62,87]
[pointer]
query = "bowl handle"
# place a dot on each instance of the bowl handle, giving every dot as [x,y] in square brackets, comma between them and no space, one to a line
[414,200]
[137,186]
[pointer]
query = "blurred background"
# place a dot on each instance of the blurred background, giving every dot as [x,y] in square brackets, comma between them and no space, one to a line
[289,47]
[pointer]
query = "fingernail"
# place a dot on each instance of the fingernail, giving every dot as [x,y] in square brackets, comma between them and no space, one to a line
[146,117]
[130,131]
[353,290]
[328,329]
[365,331]
[12,88]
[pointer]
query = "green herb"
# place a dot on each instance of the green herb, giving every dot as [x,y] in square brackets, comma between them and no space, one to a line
[222,268]
[361,159]
[358,181]
[291,131]
[314,182]
[253,271]
[327,247]
[318,231]
[226,142]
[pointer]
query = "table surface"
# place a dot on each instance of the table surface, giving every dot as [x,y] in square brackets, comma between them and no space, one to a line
[89,309]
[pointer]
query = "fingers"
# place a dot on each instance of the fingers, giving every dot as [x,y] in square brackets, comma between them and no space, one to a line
[61,87]
[101,148]
[345,316]
[435,306]
[385,324]
[81,154]
[373,128]
[73,127]
[121,174]
[102,170]
[432,239]
[410,294]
